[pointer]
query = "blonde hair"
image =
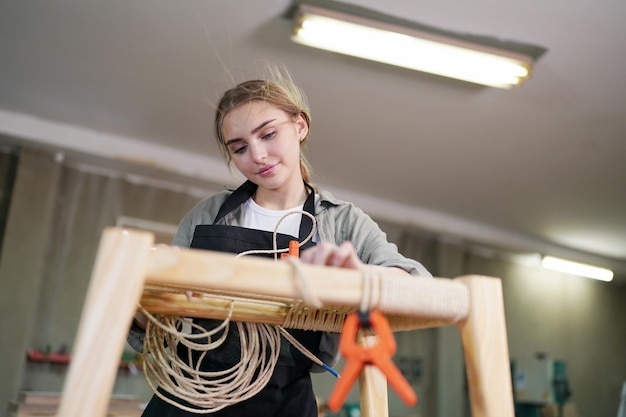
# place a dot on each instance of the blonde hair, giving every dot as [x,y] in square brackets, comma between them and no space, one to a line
[278,90]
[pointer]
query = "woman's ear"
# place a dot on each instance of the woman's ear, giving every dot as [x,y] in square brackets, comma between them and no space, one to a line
[302,127]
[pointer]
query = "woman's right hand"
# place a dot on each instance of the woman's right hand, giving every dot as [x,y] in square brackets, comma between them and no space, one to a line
[140,319]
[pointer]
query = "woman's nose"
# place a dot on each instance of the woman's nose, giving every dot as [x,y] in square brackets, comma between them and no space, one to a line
[258,152]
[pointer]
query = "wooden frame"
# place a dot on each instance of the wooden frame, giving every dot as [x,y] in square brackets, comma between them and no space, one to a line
[127,264]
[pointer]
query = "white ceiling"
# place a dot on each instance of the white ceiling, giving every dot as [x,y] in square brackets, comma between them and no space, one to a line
[541,168]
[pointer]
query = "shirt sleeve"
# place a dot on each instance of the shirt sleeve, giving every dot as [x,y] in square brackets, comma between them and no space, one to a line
[184,234]
[329,351]
[371,242]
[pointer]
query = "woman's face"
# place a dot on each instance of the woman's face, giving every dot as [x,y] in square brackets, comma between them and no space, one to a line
[264,143]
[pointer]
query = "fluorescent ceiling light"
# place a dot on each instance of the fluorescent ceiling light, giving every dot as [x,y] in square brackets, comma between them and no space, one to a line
[576,268]
[409,48]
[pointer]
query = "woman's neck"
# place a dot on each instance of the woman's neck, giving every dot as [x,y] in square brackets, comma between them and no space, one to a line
[281,199]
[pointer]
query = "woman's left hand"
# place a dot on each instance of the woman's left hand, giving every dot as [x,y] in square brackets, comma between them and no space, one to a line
[343,256]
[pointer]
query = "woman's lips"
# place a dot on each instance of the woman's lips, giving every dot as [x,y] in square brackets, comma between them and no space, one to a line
[266,170]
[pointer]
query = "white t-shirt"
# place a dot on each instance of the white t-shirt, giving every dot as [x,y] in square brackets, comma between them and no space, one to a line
[257,217]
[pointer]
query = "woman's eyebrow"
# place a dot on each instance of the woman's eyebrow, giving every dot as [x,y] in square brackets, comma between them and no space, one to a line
[255,130]
[261,126]
[231,141]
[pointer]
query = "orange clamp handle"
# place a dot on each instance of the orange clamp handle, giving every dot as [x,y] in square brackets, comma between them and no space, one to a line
[357,356]
[294,250]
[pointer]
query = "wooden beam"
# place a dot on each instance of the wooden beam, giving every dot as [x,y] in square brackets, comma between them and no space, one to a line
[486,351]
[116,284]
[443,301]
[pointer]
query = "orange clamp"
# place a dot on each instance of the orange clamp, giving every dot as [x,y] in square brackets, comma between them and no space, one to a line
[294,250]
[357,356]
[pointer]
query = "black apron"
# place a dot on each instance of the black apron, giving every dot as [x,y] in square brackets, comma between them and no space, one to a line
[289,393]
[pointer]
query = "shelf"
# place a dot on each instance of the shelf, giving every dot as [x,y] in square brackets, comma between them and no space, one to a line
[37,356]
[64,359]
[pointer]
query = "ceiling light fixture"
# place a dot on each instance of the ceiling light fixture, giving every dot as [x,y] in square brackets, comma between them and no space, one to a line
[433,51]
[575,268]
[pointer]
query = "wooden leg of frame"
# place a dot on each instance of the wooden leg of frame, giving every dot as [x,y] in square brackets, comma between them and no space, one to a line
[373,387]
[486,349]
[114,292]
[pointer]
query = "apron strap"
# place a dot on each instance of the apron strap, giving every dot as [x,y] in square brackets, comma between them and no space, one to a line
[247,190]
[237,198]
[306,224]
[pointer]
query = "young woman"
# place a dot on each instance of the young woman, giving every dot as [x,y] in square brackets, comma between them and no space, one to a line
[261,127]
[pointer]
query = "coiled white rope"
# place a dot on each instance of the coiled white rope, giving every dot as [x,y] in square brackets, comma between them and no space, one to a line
[205,391]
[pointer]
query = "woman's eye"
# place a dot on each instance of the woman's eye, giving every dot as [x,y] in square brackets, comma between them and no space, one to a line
[240,149]
[269,135]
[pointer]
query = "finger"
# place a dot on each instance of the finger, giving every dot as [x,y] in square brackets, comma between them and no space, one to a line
[332,255]
[317,255]
[307,255]
[339,255]
[345,256]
